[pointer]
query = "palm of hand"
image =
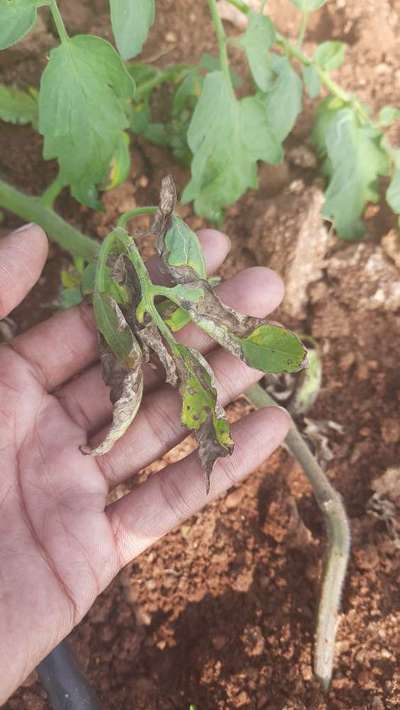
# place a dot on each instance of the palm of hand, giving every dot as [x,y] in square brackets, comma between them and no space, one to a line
[60,544]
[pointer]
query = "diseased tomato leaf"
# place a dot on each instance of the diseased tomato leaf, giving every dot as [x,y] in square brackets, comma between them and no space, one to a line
[182,253]
[126,396]
[201,411]
[272,348]
[111,323]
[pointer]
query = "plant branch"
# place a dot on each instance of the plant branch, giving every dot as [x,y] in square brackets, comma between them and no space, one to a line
[221,39]
[131,214]
[58,21]
[338,531]
[175,73]
[32,209]
[49,196]
[303,28]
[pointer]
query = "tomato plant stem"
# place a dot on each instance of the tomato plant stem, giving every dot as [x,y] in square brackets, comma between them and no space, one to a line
[303,28]
[58,21]
[175,73]
[221,39]
[32,209]
[131,214]
[51,193]
[338,531]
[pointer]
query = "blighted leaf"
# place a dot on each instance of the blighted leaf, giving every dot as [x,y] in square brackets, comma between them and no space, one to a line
[309,384]
[175,318]
[354,159]
[283,98]
[120,163]
[182,252]
[17,106]
[112,325]
[82,116]
[257,40]
[152,340]
[126,396]
[309,5]
[226,137]
[17,17]
[388,115]
[262,345]
[312,81]
[201,411]
[131,21]
[330,55]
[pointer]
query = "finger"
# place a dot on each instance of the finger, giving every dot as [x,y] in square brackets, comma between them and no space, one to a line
[157,427]
[171,496]
[67,343]
[255,291]
[23,254]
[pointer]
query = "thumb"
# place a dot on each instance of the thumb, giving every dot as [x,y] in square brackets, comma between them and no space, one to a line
[23,254]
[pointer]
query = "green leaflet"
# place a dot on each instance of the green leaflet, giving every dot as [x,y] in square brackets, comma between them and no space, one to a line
[182,251]
[18,106]
[17,18]
[257,40]
[309,5]
[201,411]
[312,81]
[115,330]
[393,191]
[131,21]
[272,348]
[283,98]
[330,55]
[354,159]
[388,115]
[82,116]
[226,137]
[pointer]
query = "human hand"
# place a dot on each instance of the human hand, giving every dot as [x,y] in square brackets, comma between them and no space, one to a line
[60,543]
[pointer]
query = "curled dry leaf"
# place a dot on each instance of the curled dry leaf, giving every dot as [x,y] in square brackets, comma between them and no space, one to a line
[126,395]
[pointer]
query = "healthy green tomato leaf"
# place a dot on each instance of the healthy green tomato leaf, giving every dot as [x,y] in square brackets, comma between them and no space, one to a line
[309,5]
[354,161]
[257,40]
[312,81]
[17,18]
[17,106]
[388,115]
[226,137]
[182,252]
[82,116]
[131,21]
[201,411]
[393,191]
[283,99]
[272,348]
[330,55]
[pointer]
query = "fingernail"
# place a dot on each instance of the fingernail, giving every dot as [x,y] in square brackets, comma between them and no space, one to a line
[24,228]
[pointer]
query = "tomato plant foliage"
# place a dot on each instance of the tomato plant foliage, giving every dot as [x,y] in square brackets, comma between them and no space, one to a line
[87,106]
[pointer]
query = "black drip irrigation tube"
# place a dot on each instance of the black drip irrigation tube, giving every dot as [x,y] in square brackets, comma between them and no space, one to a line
[66,686]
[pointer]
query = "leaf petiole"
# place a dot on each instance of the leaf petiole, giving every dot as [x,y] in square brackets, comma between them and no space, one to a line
[58,21]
